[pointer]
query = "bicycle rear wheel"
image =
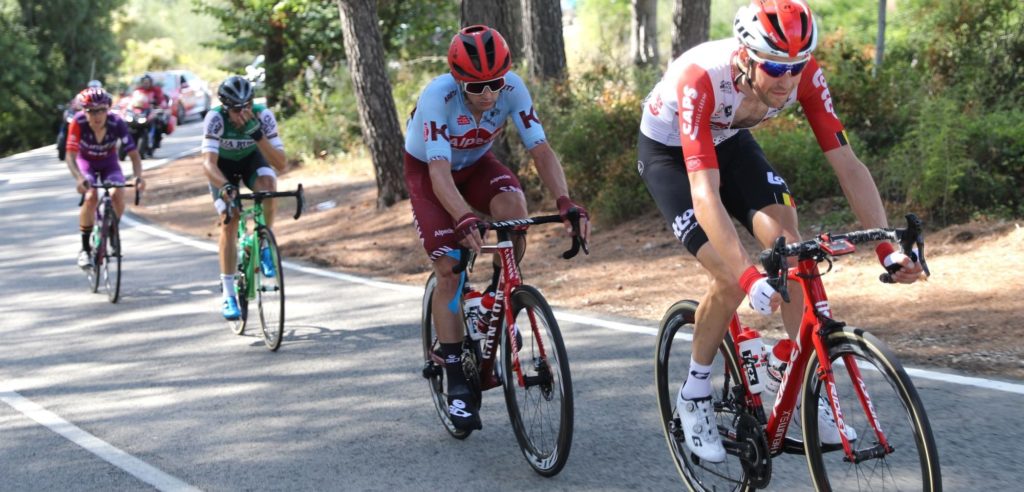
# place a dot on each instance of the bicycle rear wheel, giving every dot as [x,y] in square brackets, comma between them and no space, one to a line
[672,359]
[912,463]
[270,292]
[541,409]
[111,270]
[433,365]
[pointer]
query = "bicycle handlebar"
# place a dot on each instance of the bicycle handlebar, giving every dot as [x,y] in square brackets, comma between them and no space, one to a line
[775,267]
[259,196]
[107,185]
[573,214]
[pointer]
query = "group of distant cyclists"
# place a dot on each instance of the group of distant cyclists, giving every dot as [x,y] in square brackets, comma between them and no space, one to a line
[696,156]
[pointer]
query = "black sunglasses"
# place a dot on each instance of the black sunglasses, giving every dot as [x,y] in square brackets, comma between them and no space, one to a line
[96,110]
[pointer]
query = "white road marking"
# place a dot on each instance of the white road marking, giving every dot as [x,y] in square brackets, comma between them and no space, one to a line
[136,467]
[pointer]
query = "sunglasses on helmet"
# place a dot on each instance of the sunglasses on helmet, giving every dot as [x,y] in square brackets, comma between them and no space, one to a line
[477,88]
[778,69]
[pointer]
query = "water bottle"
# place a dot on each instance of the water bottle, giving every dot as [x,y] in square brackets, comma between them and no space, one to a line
[752,353]
[471,308]
[778,359]
[95,236]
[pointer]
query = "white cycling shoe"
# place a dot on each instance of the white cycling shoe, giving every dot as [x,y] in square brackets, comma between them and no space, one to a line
[828,431]
[700,428]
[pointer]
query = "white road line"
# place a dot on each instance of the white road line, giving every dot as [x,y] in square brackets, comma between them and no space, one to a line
[136,467]
[576,318]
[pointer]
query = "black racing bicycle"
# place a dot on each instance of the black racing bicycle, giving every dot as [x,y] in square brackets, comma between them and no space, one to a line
[105,253]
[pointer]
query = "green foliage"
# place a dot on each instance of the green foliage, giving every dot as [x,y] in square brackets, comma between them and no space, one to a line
[592,123]
[48,50]
[327,122]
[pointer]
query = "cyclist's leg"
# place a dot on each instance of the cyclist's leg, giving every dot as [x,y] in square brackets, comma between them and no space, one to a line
[760,199]
[87,212]
[261,177]
[436,229]
[493,189]
[227,244]
[110,169]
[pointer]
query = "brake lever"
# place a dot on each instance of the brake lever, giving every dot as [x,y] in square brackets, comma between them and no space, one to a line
[909,238]
[300,202]
[573,215]
[774,267]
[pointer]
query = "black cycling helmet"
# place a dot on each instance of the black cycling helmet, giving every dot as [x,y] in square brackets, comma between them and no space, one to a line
[235,92]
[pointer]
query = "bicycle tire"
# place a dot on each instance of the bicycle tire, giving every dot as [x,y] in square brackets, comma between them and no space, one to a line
[112,261]
[270,291]
[242,294]
[433,368]
[97,254]
[672,358]
[548,388]
[899,412]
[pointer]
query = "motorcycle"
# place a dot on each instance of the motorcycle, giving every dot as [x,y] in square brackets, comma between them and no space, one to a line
[62,135]
[143,124]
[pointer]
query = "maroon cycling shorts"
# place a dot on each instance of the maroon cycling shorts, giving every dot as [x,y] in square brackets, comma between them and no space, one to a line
[479,183]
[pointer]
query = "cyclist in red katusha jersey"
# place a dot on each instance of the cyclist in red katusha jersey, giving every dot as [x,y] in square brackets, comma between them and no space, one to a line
[93,136]
[702,165]
[451,174]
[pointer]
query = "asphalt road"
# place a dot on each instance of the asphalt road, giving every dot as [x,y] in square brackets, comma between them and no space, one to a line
[156,392]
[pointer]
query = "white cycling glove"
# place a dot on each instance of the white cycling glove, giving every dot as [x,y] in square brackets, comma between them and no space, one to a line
[758,290]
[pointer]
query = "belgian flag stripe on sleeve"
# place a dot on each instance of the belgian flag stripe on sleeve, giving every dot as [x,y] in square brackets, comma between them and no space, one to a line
[841,137]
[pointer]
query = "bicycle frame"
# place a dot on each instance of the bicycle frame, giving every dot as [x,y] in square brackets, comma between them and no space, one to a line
[510,279]
[816,324]
[247,243]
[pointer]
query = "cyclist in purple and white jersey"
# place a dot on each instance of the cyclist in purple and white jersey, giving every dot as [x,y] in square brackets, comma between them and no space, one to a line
[452,175]
[93,136]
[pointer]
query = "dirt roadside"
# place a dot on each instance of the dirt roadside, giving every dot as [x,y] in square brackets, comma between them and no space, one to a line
[967,317]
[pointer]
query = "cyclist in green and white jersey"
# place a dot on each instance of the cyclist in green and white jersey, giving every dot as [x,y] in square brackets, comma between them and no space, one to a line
[240,143]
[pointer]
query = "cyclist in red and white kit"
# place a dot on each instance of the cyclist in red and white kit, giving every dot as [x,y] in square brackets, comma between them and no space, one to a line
[702,165]
[451,174]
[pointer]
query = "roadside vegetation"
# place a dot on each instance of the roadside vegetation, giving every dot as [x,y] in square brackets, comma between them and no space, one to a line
[940,123]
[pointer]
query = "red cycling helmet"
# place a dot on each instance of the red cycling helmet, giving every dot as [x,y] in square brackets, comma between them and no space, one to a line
[777,27]
[94,96]
[477,54]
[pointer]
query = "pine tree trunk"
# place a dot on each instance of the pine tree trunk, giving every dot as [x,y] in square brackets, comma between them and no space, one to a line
[542,34]
[644,42]
[381,131]
[504,15]
[691,21]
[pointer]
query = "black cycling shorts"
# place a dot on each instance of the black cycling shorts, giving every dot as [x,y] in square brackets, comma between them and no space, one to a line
[247,168]
[748,184]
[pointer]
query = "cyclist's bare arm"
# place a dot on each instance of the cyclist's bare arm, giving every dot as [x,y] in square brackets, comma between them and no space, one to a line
[137,168]
[549,168]
[860,190]
[213,173]
[70,159]
[444,189]
[858,186]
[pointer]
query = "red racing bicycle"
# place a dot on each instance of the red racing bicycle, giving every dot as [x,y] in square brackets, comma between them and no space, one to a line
[843,369]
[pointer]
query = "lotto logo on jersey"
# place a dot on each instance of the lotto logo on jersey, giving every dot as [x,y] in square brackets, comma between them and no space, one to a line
[689,105]
[826,97]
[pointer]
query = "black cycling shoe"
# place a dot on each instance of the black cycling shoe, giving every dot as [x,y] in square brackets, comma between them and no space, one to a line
[463,412]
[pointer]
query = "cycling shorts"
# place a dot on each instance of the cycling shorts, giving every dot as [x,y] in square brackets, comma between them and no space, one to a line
[478,183]
[748,184]
[106,169]
[248,168]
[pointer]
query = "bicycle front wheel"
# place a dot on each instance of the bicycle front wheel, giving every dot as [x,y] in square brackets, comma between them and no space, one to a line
[540,404]
[242,294]
[111,270]
[97,254]
[433,365]
[270,291]
[672,359]
[911,461]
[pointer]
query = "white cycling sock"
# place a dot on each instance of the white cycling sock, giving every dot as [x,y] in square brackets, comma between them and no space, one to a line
[228,284]
[698,381]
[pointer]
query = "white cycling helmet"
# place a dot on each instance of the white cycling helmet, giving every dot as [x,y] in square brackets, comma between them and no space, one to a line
[94,84]
[777,27]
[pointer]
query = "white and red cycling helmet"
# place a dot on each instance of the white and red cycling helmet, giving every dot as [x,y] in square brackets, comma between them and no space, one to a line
[777,27]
